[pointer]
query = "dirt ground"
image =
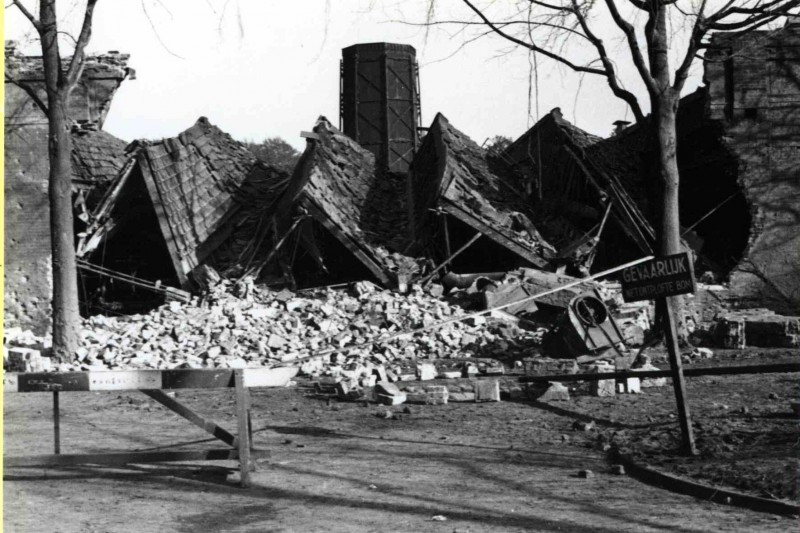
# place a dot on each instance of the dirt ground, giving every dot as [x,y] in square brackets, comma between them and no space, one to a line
[508,466]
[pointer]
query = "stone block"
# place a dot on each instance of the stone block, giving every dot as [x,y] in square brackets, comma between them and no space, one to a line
[629,386]
[544,366]
[437,394]
[426,371]
[24,360]
[603,387]
[462,397]
[391,399]
[650,382]
[487,390]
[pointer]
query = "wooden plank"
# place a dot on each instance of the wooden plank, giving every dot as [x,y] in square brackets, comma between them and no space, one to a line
[185,378]
[50,381]
[268,377]
[678,383]
[206,425]
[493,234]
[189,378]
[125,380]
[243,421]
[121,458]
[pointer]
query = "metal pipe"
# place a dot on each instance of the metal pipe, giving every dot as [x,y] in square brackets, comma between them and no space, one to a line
[463,281]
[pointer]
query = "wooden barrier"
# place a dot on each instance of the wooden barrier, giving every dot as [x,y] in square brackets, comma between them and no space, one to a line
[153,383]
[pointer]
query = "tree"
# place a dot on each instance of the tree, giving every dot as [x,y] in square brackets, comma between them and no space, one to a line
[60,78]
[563,30]
[275,152]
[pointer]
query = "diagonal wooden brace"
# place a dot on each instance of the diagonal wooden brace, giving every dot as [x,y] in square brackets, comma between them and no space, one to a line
[206,425]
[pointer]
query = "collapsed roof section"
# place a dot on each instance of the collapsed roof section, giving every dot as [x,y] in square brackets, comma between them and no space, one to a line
[97,157]
[451,174]
[195,183]
[336,183]
[576,176]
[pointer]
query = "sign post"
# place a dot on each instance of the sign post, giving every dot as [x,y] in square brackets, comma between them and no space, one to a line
[660,279]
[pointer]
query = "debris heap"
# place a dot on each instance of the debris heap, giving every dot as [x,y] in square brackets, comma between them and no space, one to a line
[264,329]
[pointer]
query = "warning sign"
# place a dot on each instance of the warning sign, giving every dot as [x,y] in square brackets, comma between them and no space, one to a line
[657,278]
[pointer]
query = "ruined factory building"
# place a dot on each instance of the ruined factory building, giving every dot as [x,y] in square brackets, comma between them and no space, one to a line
[455,192]
[175,202]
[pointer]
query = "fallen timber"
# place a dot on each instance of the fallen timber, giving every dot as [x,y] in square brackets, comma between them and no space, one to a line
[777,368]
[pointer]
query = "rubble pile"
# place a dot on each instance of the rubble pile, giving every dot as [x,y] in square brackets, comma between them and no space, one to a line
[238,326]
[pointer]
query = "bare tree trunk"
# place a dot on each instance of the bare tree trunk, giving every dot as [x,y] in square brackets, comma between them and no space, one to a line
[666,134]
[66,315]
[664,103]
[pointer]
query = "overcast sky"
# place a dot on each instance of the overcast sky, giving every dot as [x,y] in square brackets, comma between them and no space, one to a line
[261,69]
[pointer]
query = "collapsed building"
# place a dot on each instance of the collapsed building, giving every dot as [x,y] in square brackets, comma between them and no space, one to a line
[380,203]
[738,140]
[97,157]
[173,203]
[455,194]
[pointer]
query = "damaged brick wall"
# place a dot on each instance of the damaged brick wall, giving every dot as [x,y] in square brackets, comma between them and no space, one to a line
[28,284]
[755,92]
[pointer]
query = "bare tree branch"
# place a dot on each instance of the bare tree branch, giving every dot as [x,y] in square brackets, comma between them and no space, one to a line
[531,46]
[698,32]
[31,92]
[36,24]
[636,52]
[610,71]
[498,24]
[76,63]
